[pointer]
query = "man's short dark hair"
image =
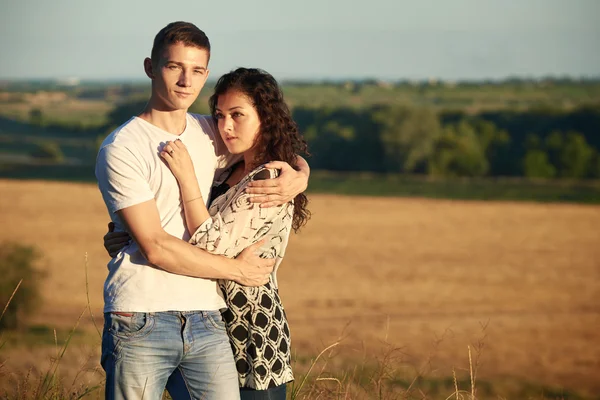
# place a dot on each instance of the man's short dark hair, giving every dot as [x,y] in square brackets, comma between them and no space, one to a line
[179,32]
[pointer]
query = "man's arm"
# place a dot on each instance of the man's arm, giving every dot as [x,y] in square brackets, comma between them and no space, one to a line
[122,179]
[176,256]
[280,190]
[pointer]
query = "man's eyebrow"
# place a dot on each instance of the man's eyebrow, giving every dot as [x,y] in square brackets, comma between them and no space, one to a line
[182,64]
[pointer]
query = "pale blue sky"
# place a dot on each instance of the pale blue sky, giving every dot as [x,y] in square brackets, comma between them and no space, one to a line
[309,39]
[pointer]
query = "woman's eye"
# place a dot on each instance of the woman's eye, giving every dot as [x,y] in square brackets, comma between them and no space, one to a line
[219,116]
[236,114]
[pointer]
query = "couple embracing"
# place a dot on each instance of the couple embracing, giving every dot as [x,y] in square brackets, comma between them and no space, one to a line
[202,208]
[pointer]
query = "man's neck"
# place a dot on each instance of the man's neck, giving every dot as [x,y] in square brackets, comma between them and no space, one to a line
[171,121]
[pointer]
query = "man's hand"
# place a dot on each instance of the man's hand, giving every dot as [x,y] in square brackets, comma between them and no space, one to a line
[115,241]
[254,271]
[280,190]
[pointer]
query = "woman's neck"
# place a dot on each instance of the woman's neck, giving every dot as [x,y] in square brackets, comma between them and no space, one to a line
[249,162]
[236,174]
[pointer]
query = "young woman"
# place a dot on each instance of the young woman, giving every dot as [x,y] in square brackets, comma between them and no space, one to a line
[255,122]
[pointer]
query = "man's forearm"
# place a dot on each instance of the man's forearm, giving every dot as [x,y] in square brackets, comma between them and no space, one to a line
[181,258]
[174,255]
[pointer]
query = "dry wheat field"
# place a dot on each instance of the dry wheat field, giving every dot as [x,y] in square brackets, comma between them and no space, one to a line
[517,283]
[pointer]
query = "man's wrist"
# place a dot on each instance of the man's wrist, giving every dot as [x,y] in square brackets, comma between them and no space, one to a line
[305,175]
[232,270]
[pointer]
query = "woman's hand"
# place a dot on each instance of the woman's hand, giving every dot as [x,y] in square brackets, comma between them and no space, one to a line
[178,159]
[114,242]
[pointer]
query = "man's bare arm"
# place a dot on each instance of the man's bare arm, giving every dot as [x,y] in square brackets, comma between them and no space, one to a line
[174,255]
[280,190]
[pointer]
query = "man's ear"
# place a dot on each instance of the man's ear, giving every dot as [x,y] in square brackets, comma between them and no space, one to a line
[148,68]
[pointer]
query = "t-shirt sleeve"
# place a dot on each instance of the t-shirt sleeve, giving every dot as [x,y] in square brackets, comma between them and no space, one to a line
[239,224]
[122,178]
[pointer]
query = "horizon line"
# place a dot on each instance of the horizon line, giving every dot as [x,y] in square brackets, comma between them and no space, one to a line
[74,81]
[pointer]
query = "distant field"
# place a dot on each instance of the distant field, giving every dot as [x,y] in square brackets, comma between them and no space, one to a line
[87,113]
[518,282]
[88,104]
[472,98]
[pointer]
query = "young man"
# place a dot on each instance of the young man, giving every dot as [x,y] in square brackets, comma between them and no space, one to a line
[163,327]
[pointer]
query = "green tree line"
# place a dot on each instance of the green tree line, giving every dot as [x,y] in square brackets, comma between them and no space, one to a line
[397,139]
[536,143]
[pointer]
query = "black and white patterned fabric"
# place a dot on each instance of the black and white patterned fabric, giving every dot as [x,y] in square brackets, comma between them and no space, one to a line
[255,319]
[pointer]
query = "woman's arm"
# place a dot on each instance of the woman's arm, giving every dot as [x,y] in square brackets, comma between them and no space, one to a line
[193,204]
[179,161]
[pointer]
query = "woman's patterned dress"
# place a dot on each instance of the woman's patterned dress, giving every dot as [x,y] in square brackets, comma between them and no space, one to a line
[255,318]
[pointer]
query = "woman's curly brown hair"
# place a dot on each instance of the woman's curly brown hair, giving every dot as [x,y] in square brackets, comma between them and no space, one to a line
[278,138]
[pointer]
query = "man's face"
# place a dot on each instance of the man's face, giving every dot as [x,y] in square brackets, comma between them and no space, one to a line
[178,76]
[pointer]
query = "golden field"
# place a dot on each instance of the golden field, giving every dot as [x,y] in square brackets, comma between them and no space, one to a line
[518,282]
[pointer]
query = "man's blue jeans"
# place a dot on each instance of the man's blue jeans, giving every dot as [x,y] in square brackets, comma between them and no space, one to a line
[186,352]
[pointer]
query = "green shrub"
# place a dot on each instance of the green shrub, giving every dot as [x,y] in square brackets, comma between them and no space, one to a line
[537,165]
[49,151]
[16,264]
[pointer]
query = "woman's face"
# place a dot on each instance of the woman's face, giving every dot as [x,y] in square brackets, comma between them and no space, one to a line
[238,121]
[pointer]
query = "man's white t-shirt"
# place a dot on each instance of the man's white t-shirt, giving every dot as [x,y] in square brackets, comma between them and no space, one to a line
[130,171]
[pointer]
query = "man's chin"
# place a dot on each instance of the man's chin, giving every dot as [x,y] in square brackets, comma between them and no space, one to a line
[181,103]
